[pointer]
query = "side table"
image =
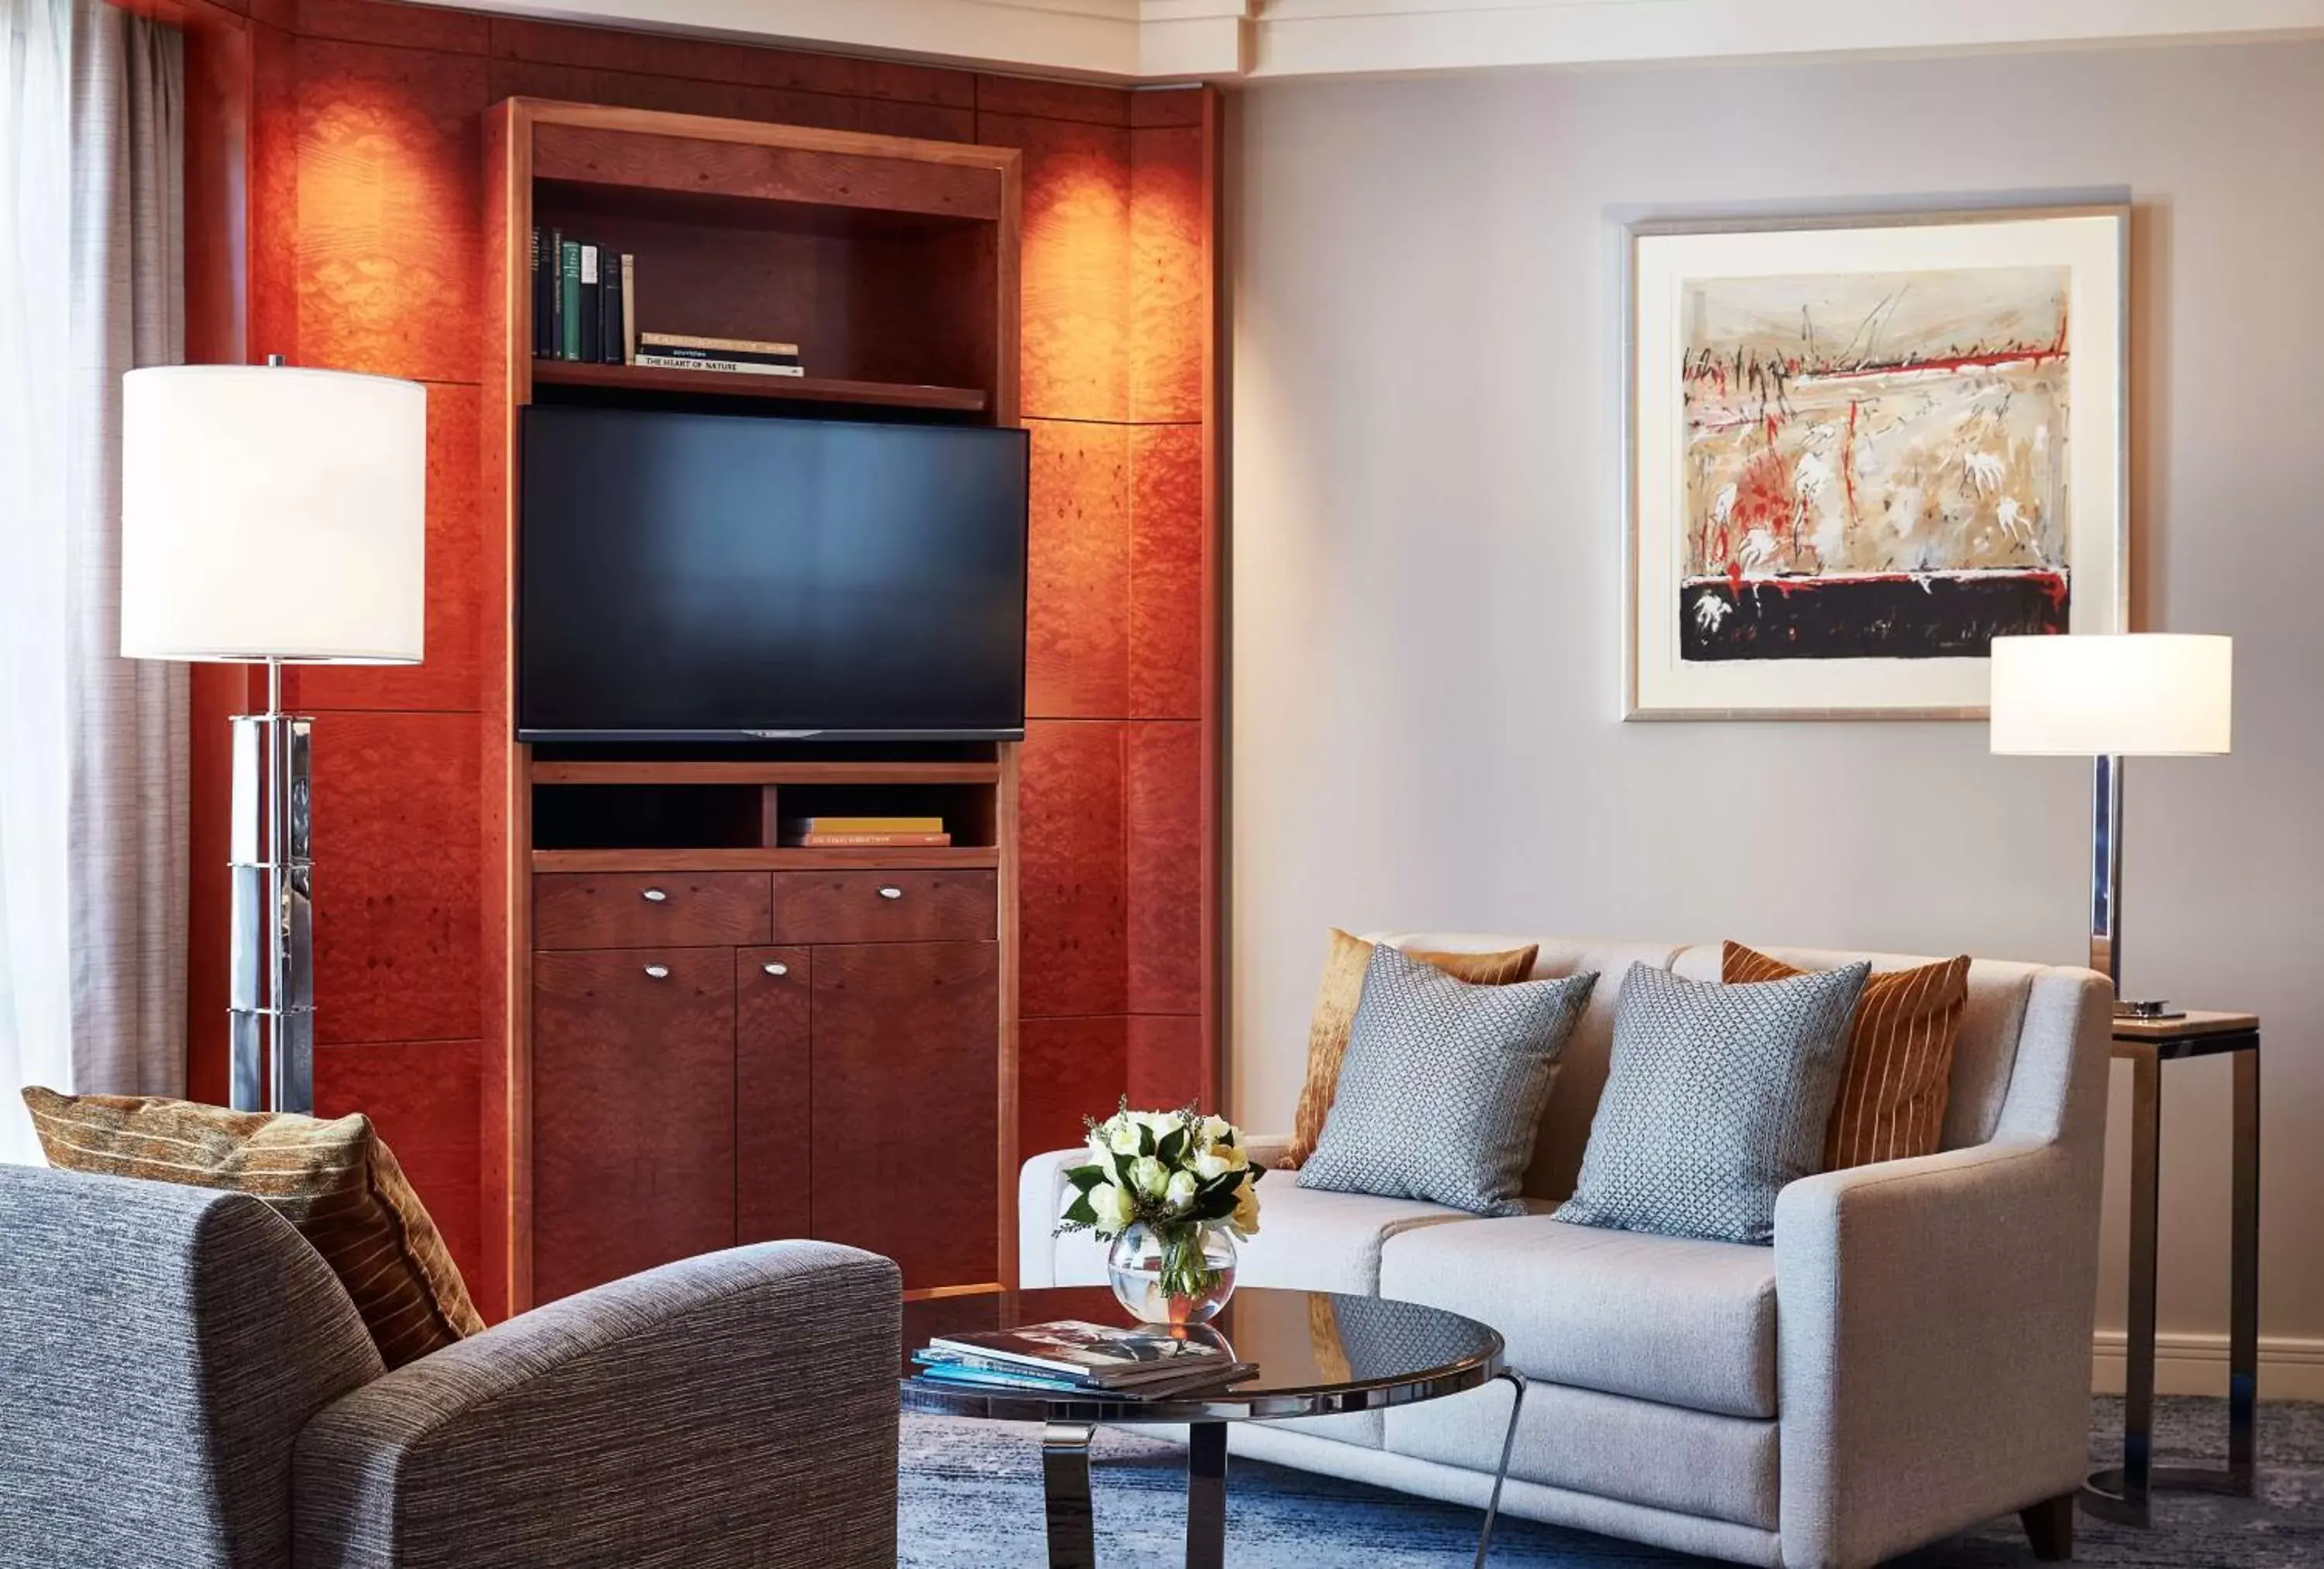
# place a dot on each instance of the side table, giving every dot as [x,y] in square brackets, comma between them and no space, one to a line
[2121,1493]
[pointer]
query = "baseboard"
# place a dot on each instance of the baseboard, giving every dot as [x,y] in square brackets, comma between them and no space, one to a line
[2197,1364]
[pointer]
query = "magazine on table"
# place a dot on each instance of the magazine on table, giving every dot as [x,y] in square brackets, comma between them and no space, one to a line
[1090,1355]
[985,1373]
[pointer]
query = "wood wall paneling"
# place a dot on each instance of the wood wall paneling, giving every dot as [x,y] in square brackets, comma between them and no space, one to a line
[1170,247]
[1163,1062]
[1067,1069]
[1047,98]
[1078,573]
[702,61]
[427,27]
[1168,585]
[1163,836]
[1074,919]
[422,1098]
[773,1083]
[1075,259]
[397,879]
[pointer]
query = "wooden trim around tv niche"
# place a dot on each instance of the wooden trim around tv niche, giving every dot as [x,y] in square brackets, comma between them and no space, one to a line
[657,159]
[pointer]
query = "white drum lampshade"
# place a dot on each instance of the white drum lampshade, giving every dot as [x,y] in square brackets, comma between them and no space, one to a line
[269,512]
[2138,694]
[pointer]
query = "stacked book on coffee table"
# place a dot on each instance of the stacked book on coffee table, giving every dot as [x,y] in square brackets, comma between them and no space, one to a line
[1070,1357]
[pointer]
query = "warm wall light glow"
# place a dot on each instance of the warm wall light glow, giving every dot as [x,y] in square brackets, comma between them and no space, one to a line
[2136,694]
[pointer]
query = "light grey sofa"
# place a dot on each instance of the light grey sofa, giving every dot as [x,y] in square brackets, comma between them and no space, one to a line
[183,1383]
[1911,1358]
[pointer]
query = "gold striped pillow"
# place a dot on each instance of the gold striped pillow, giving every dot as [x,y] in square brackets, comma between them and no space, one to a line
[1900,1057]
[336,1182]
[1335,1015]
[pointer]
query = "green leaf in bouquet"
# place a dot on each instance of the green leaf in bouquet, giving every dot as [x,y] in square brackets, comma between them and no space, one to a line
[1087,1176]
[1079,1211]
[1172,1147]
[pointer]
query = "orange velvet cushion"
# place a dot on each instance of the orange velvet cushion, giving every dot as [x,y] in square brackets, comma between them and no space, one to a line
[1900,1057]
[336,1182]
[1335,1015]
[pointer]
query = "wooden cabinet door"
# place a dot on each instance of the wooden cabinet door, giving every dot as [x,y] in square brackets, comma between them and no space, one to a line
[632,1111]
[906,1081]
[772,1130]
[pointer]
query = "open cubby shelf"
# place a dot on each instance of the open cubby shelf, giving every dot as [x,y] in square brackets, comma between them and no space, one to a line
[762,859]
[729,384]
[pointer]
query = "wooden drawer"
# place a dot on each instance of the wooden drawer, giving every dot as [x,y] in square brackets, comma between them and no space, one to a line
[648,909]
[885,906]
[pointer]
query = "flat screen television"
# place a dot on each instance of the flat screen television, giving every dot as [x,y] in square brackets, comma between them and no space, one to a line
[704,577]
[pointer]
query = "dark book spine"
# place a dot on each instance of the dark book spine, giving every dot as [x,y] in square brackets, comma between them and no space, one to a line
[609,308]
[738,357]
[539,299]
[568,300]
[592,289]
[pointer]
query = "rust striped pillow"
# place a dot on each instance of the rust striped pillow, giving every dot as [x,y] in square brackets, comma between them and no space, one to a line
[1900,1057]
[336,1182]
[1336,1017]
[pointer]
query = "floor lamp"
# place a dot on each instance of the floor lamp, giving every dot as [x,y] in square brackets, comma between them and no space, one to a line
[278,517]
[2107,697]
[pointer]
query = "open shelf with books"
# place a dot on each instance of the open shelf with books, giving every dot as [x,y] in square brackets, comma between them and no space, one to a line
[652,378]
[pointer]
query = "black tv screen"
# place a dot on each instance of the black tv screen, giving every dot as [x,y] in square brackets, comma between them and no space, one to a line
[714,577]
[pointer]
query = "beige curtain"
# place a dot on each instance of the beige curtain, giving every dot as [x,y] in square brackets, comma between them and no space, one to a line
[93,767]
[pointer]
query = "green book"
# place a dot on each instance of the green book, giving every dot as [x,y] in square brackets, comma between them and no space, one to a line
[569,271]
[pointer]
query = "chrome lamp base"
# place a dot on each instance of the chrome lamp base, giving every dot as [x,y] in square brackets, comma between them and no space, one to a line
[273,990]
[2105,890]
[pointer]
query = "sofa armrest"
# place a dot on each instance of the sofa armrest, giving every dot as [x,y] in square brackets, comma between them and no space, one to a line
[1045,1259]
[735,1408]
[1933,1344]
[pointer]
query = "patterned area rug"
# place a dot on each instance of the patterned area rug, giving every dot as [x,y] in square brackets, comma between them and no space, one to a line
[973,1496]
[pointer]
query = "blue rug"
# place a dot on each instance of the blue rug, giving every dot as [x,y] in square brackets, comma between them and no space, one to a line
[973,1496]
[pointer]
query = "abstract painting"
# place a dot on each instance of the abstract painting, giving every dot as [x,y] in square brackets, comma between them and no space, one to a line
[1865,451]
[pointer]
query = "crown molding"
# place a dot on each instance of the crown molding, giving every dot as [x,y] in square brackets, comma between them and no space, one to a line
[1157,41]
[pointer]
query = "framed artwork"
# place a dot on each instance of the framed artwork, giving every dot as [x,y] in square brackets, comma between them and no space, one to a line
[1861,449]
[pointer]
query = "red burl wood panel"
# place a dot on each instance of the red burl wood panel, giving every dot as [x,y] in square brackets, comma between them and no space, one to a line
[1067,1069]
[1164,838]
[1077,613]
[1168,106]
[1164,1060]
[904,1068]
[1072,898]
[773,1130]
[1053,100]
[217,144]
[730,100]
[422,1098]
[408,26]
[632,1111]
[1075,264]
[391,203]
[658,54]
[271,220]
[446,678]
[397,877]
[1170,286]
[1167,590]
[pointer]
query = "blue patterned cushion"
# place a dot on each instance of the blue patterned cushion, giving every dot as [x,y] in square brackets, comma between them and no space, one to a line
[1718,1097]
[1444,1086]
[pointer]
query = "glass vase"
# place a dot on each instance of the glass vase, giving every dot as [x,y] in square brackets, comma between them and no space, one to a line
[1175,1274]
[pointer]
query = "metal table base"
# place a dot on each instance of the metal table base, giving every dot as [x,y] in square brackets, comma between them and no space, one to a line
[1071,1521]
[2122,1493]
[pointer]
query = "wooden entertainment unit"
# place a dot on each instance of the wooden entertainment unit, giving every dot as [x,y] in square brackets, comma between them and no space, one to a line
[695,1035]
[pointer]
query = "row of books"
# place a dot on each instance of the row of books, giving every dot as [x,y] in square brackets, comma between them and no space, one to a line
[585,309]
[863,832]
[1071,1357]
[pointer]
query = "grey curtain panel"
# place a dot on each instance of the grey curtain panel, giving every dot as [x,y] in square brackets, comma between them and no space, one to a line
[93,787]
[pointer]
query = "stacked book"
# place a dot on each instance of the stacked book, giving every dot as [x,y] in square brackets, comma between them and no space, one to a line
[730,356]
[863,832]
[584,297]
[1070,1357]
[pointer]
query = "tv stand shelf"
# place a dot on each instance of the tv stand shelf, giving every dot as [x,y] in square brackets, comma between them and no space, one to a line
[731,384]
[750,858]
[562,772]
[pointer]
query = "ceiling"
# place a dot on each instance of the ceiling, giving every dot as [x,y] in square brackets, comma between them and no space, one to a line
[1258,39]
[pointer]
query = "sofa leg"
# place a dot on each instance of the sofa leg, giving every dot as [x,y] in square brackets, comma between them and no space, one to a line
[2050,1526]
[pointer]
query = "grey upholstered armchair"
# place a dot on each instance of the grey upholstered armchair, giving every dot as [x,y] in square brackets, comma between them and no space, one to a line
[183,1383]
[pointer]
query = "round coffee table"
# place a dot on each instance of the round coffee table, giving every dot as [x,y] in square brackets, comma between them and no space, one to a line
[1318,1354]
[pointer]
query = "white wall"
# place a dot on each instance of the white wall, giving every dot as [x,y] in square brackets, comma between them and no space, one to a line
[1426,572]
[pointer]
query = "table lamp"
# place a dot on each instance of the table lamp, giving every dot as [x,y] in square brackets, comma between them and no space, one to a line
[2107,697]
[278,517]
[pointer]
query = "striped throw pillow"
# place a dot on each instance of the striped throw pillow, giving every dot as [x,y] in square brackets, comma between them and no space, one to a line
[336,1182]
[1335,1016]
[1900,1057]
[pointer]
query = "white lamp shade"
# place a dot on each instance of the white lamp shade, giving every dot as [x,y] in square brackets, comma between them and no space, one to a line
[2138,694]
[269,512]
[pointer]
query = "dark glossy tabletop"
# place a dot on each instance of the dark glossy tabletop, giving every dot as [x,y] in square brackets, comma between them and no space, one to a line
[1317,1352]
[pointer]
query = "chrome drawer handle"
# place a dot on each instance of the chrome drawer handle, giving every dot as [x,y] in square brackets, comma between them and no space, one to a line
[658,971]
[776,968]
[654,896]
[892,892]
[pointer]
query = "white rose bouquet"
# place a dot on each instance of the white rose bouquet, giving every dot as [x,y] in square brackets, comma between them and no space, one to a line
[1173,1172]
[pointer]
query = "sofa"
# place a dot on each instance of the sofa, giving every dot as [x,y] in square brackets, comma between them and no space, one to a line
[1911,1357]
[183,1380]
